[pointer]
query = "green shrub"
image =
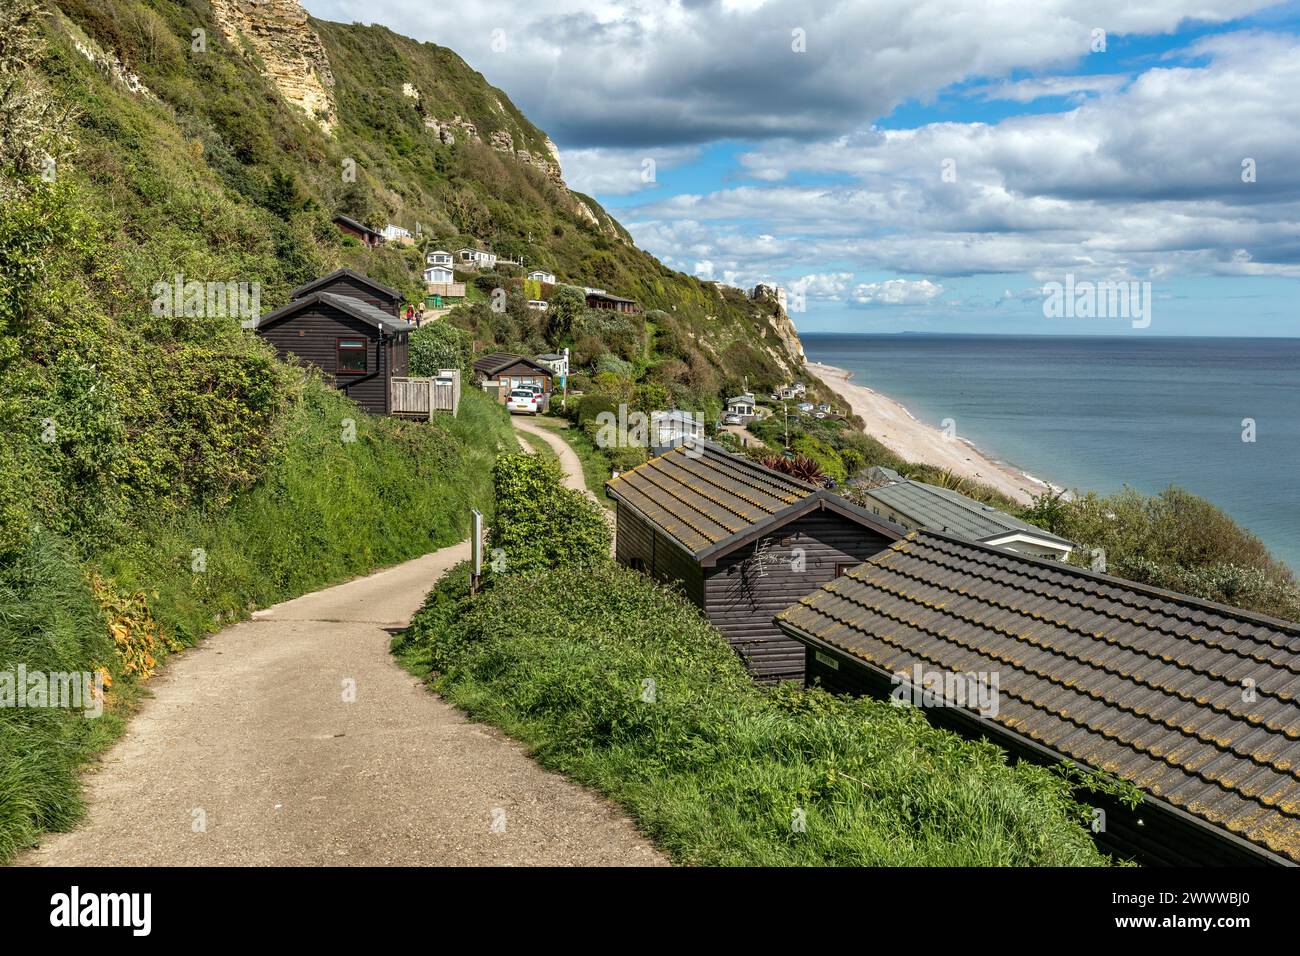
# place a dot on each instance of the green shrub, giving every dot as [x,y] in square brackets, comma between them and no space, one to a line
[608,364]
[590,406]
[439,345]
[538,522]
[1174,540]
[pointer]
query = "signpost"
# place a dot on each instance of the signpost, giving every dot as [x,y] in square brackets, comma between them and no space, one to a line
[476,549]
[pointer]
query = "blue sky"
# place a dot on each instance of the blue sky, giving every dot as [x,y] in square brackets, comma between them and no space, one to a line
[928,165]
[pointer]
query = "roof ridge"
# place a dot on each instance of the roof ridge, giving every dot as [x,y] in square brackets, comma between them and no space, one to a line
[760,471]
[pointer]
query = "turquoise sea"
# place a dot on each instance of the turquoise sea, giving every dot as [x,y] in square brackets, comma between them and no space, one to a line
[1097,413]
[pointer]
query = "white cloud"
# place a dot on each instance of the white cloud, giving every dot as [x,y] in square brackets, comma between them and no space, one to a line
[823,285]
[620,172]
[1146,179]
[897,292]
[667,72]
[1026,91]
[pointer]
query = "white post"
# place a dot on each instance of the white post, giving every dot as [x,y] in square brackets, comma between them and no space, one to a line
[476,549]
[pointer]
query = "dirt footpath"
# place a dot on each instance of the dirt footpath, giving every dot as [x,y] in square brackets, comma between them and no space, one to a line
[294,738]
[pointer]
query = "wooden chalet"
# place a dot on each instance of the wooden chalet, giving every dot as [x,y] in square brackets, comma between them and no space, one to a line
[347,326]
[1194,703]
[368,236]
[742,540]
[354,284]
[611,303]
[499,372]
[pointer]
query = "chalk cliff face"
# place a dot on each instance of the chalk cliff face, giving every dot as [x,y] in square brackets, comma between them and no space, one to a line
[780,320]
[294,57]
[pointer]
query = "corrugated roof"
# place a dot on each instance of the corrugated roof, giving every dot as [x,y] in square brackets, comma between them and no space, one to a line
[941,509]
[1141,683]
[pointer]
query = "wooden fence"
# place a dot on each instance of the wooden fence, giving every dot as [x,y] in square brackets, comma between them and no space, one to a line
[421,397]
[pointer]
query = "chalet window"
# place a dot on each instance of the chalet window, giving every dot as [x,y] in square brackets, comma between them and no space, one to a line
[636,564]
[351,358]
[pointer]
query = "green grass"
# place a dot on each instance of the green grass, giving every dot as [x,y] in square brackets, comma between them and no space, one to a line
[326,511]
[595,464]
[713,768]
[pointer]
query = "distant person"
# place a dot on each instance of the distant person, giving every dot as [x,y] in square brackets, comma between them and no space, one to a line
[410,313]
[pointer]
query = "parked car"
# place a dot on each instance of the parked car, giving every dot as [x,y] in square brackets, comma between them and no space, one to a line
[732,420]
[523,400]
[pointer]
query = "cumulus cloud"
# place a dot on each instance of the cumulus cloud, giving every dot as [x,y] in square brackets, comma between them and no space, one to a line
[620,172]
[897,292]
[1146,178]
[666,72]
[823,285]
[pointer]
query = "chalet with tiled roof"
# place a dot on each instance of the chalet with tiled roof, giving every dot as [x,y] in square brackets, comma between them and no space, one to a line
[741,540]
[1194,703]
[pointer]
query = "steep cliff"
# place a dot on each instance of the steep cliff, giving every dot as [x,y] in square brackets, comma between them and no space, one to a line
[230,155]
[292,55]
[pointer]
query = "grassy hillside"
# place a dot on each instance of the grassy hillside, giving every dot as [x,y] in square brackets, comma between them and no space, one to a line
[162,475]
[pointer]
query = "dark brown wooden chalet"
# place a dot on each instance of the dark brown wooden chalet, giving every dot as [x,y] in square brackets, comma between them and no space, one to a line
[351,227]
[354,284]
[1196,704]
[508,371]
[357,346]
[742,540]
[611,303]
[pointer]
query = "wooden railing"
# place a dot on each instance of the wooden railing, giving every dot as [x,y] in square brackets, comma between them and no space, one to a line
[421,397]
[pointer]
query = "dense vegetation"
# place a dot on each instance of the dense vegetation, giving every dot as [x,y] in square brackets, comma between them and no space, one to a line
[1174,540]
[623,685]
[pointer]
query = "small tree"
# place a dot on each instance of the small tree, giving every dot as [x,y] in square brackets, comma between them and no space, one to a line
[438,345]
[539,523]
[562,311]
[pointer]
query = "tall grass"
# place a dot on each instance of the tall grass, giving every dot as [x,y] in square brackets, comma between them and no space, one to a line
[716,770]
[327,510]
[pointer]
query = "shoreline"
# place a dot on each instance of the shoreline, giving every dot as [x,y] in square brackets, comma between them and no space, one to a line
[890,423]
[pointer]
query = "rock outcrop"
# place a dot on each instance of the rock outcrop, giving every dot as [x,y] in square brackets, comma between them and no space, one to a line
[293,56]
[779,319]
[108,63]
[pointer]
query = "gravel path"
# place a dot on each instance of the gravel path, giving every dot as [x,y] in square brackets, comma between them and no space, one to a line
[251,753]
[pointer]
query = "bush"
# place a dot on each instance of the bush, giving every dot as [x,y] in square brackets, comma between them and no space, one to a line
[539,523]
[592,405]
[622,684]
[608,364]
[438,345]
[1174,540]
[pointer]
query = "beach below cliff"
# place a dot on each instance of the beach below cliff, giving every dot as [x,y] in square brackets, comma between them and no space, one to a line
[890,423]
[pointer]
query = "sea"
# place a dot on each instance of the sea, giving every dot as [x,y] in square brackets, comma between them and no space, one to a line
[1097,413]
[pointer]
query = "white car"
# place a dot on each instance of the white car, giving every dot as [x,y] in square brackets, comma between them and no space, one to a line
[732,420]
[523,400]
